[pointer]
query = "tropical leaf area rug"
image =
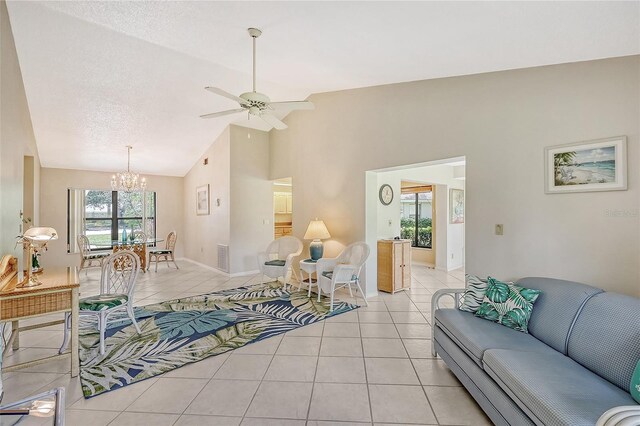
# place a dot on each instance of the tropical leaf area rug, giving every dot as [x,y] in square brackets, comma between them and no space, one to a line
[182,331]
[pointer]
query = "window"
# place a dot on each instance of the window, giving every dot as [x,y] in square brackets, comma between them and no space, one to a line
[92,213]
[416,214]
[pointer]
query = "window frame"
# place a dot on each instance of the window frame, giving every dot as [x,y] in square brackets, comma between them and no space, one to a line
[416,218]
[114,218]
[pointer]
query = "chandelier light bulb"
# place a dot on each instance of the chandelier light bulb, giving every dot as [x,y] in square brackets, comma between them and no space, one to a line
[128,181]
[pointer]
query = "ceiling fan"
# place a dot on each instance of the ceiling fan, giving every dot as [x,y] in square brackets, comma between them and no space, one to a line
[256,103]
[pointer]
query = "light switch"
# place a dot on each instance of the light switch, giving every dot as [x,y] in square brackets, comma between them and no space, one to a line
[265,221]
[499,229]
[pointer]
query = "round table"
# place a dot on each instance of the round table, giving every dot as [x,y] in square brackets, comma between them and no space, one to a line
[308,266]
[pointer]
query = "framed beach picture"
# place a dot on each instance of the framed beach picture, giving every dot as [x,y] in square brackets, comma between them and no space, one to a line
[202,200]
[456,205]
[598,165]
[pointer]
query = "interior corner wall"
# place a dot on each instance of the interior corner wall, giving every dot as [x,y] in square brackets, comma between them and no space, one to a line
[203,233]
[16,139]
[251,198]
[54,184]
[501,122]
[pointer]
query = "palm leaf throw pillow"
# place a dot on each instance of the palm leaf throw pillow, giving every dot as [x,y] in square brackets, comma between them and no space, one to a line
[635,383]
[474,294]
[508,304]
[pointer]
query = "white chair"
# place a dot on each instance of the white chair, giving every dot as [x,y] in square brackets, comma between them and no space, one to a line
[89,259]
[140,237]
[168,252]
[343,271]
[277,260]
[118,281]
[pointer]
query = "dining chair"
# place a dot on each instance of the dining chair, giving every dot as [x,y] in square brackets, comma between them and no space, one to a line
[117,284]
[343,271]
[88,258]
[277,259]
[139,237]
[168,252]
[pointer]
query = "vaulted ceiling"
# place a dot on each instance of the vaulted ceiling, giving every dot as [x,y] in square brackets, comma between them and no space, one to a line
[102,75]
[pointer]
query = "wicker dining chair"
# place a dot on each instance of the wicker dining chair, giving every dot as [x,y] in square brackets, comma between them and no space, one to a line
[88,258]
[117,284]
[168,252]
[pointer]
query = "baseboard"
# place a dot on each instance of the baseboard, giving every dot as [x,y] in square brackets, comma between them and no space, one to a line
[244,274]
[211,268]
[216,270]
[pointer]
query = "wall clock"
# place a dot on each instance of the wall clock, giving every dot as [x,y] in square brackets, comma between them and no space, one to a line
[386,194]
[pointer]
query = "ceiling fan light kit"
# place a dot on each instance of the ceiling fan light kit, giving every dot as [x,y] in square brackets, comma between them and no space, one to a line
[256,103]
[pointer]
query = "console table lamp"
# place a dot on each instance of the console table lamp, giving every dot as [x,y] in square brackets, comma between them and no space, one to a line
[35,238]
[316,231]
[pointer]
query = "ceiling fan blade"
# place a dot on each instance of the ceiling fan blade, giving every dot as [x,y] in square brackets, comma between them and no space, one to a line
[221,113]
[292,105]
[226,94]
[270,119]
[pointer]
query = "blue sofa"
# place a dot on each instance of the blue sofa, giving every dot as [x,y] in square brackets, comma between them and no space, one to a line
[574,365]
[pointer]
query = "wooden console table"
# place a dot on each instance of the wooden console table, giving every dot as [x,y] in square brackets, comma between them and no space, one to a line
[58,293]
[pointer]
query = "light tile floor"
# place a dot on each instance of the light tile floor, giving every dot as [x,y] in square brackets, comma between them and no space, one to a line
[370,366]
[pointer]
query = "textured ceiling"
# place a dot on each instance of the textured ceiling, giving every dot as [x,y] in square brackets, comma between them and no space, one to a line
[102,75]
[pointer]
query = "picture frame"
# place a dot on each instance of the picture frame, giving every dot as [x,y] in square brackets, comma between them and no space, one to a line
[596,165]
[202,200]
[456,205]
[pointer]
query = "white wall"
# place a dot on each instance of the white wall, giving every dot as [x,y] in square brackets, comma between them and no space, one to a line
[501,123]
[203,233]
[16,141]
[251,198]
[53,206]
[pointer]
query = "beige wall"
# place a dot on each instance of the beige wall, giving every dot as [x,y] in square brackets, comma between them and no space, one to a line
[501,122]
[238,174]
[251,198]
[204,233]
[16,140]
[53,206]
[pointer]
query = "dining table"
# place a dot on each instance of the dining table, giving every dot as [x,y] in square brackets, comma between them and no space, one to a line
[139,247]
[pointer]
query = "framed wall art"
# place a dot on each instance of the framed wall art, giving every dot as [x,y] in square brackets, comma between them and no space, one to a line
[598,165]
[202,200]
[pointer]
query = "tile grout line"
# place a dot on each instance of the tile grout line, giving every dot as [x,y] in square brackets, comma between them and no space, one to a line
[315,374]
[417,375]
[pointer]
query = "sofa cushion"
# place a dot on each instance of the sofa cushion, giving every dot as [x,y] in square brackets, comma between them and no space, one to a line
[556,309]
[495,402]
[552,388]
[606,337]
[508,304]
[475,335]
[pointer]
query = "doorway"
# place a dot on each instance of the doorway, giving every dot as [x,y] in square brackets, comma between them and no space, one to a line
[420,211]
[282,207]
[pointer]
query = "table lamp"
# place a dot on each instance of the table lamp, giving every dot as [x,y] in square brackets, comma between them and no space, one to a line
[35,239]
[316,231]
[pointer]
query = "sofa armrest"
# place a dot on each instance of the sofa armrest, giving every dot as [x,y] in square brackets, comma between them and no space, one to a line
[624,415]
[453,293]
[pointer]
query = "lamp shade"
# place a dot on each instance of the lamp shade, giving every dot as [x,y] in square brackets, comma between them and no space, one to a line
[40,234]
[317,230]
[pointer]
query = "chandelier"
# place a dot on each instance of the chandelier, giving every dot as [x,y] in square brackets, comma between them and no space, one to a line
[128,181]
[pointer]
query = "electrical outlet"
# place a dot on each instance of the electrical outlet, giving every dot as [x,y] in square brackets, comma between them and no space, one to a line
[451,255]
[201,249]
[390,222]
[499,229]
